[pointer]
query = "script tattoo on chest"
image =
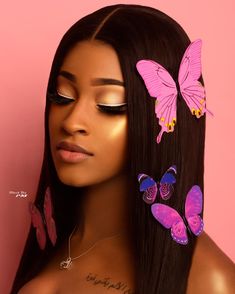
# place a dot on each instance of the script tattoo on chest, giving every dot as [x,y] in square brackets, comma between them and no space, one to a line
[106,282]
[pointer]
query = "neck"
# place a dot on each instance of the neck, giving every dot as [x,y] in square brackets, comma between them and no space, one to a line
[105,209]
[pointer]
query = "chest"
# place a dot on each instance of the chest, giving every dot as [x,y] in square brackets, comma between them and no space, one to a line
[82,281]
[88,275]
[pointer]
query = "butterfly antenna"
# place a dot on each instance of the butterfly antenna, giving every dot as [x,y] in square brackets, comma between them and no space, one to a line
[208,111]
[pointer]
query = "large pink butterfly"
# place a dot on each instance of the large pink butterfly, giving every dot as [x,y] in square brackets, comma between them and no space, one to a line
[39,222]
[171,219]
[161,85]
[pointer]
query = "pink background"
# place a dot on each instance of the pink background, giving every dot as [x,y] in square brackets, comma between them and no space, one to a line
[30,32]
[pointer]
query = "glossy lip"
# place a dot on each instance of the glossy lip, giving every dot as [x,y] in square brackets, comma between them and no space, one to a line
[71,153]
[71,156]
[72,147]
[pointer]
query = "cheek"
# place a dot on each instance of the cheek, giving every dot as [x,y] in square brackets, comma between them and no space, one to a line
[52,126]
[113,139]
[55,116]
[54,119]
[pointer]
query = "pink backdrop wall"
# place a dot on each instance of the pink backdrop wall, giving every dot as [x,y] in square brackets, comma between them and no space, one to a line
[30,32]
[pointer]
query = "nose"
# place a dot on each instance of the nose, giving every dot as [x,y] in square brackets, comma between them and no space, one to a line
[78,117]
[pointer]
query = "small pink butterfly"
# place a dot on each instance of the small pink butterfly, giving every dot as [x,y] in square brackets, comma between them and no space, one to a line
[161,86]
[39,221]
[171,219]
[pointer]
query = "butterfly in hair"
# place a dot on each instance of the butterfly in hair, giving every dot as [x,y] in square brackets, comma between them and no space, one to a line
[162,86]
[40,221]
[171,219]
[164,186]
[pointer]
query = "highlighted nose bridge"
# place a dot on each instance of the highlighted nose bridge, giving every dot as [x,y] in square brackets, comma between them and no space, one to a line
[80,114]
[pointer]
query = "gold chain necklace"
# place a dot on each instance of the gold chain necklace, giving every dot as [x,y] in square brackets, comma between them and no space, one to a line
[65,264]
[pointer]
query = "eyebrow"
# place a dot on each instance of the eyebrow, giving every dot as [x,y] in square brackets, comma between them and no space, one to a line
[94,82]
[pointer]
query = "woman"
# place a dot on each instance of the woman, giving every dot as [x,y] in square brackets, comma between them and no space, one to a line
[101,220]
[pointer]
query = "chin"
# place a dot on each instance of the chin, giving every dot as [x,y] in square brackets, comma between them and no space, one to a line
[74,181]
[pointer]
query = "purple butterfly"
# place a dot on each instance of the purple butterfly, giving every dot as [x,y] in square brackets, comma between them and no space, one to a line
[161,86]
[150,187]
[170,218]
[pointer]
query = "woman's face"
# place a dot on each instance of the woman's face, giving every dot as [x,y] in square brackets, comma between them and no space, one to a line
[89,76]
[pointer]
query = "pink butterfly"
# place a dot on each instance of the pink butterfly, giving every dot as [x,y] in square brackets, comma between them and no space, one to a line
[171,219]
[39,222]
[161,85]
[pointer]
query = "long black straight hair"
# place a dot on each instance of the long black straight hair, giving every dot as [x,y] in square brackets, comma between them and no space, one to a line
[135,32]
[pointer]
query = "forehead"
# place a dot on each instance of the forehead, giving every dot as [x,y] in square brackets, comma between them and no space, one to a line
[93,59]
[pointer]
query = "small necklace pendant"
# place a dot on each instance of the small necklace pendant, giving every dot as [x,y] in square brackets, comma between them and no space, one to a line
[65,264]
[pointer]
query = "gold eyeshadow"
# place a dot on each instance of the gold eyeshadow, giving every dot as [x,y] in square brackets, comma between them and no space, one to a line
[110,97]
[107,96]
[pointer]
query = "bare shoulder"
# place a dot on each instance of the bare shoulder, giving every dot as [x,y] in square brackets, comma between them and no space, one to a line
[211,271]
[37,286]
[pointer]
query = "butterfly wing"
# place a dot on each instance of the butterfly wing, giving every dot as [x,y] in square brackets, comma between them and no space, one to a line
[170,218]
[37,222]
[166,184]
[193,207]
[149,186]
[50,223]
[191,89]
[160,85]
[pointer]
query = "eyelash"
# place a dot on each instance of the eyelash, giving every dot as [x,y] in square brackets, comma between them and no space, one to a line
[59,99]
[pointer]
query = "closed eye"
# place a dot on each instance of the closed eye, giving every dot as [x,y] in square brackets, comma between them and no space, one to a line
[112,108]
[116,108]
[59,99]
